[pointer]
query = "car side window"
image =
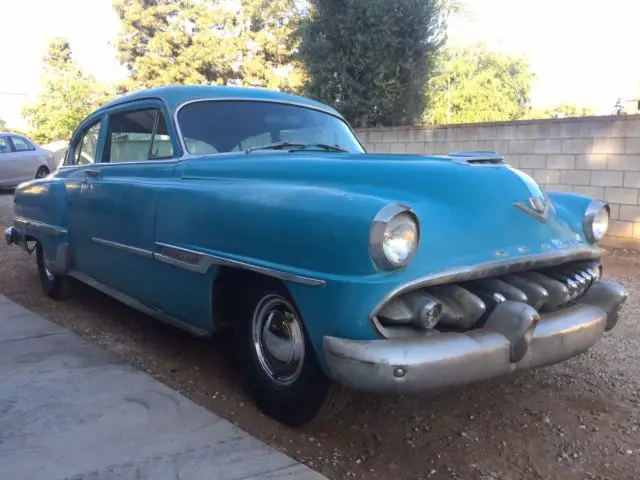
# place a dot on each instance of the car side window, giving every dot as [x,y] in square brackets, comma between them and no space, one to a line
[5,147]
[20,144]
[85,150]
[138,135]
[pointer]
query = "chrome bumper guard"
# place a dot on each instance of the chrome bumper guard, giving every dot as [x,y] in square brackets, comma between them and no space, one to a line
[448,359]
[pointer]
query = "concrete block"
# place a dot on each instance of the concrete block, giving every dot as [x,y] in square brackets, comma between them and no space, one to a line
[533,161]
[434,148]
[538,130]
[415,147]
[577,145]
[614,208]
[462,134]
[619,228]
[500,146]
[561,188]
[547,177]
[528,171]
[606,179]
[630,213]
[506,132]
[548,145]
[487,133]
[595,192]
[564,129]
[424,135]
[636,230]
[608,145]
[363,137]
[575,177]
[390,136]
[375,137]
[520,146]
[623,162]
[398,148]
[593,128]
[406,136]
[633,145]
[618,128]
[591,162]
[632,179]
[561,162]
[513,160]
[625,196]
[381,147]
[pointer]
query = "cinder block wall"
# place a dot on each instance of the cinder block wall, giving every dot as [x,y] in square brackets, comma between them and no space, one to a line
[597,156]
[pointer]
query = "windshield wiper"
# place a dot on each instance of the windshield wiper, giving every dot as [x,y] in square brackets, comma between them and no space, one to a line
[275,146]
[324,146]
[297,146]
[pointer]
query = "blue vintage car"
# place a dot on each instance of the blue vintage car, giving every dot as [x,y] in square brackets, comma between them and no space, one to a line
[211,207]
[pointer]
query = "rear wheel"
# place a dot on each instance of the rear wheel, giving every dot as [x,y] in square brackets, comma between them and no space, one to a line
[51,283]
[279,362]
[42,172]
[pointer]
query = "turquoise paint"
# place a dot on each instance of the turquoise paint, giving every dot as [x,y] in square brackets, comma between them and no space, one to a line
[305,212]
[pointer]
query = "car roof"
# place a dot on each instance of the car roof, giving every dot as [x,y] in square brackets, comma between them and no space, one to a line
[176,95]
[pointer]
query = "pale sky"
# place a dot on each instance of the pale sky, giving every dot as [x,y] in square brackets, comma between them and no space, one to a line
[583,51]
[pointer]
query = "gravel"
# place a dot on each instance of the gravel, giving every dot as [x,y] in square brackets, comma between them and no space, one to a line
[576,420]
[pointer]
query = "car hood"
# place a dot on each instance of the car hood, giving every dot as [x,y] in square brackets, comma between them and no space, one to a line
[467,212]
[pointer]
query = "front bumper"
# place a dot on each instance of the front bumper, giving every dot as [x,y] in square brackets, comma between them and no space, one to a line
[449,359]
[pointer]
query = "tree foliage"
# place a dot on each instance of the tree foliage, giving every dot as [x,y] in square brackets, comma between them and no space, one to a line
[3,126]
[474,84]
[565,110]
[67,96]
[223,42]
[371,58]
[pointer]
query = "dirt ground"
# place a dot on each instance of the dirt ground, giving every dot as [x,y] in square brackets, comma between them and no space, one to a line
[576,420]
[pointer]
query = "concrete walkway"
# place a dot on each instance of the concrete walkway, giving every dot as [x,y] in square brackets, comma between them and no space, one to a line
[71,410]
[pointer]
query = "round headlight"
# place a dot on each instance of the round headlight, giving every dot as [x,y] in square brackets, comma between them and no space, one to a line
[394,237]
[596,221]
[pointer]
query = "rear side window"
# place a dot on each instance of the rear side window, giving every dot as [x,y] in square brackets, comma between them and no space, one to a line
[138,136]
[85,150]
[22,144]
[5,147]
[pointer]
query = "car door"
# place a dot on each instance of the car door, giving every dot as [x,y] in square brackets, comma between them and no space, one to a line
[8,174]
[25,159]
[115,209]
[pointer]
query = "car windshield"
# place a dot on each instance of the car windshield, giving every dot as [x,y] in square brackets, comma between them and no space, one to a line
[219,126]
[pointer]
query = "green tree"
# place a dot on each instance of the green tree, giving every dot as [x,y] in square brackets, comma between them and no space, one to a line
[3,126]
[371,58]
[474,84]
[565,110]
[241,42]
[67,96]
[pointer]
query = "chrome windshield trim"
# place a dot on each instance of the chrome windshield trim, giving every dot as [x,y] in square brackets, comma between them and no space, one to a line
[46,228]
[489,269]
[200,262]
[127,248]
[187,154]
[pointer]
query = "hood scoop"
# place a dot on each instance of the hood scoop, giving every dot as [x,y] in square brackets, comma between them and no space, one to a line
[478,157]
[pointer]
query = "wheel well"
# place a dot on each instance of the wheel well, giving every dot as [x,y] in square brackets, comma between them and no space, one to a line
[229,289]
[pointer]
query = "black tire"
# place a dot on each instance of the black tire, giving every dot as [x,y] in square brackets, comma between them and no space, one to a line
[299,396]
[52,284]
[42,172]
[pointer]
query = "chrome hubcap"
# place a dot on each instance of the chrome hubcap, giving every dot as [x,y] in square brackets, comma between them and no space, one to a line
[278,339]
[41,174]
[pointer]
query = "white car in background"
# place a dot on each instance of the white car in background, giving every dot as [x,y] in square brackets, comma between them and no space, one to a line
[22,160]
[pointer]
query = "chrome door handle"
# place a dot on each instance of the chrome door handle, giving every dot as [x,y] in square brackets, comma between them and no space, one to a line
[92,173]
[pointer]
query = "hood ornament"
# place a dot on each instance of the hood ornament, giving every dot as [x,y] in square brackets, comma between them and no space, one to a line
[537,207]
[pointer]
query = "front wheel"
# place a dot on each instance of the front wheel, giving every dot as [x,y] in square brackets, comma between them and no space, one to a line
[280,364]
[52,284]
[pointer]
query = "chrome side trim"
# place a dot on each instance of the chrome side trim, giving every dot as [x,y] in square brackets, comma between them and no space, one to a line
[494,268]
[136,304]
[200,262]
[589,215]
[41,227]
[127,248]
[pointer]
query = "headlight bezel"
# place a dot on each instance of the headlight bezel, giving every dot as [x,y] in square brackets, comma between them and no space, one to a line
[595,207]
[377,233]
